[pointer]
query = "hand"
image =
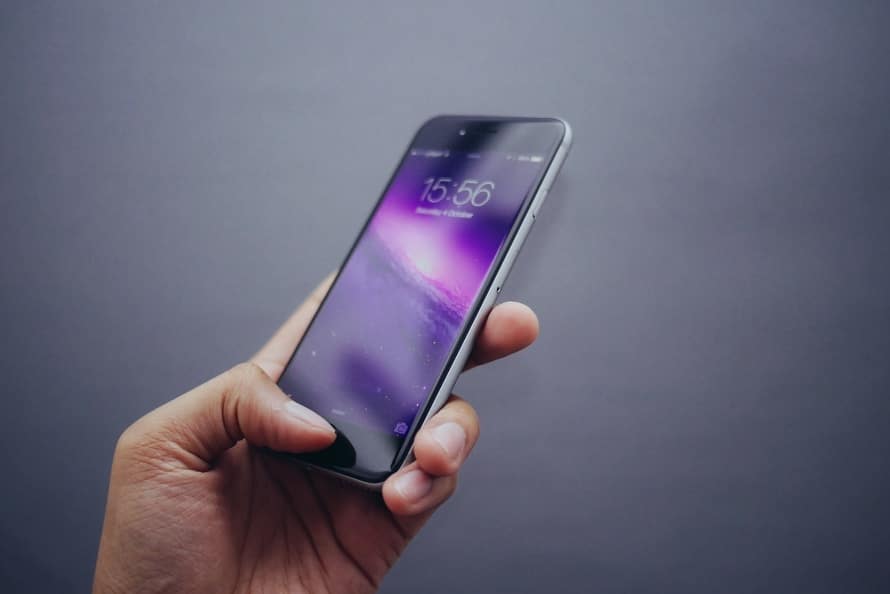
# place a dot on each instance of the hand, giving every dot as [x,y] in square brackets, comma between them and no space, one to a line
[196,504]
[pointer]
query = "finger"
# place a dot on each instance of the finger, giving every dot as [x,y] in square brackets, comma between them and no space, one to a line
[510,327]
[275,354]
[445,440]
[242,403]
[412,491]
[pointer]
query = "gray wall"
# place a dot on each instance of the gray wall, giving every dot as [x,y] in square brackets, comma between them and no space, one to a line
[707,408]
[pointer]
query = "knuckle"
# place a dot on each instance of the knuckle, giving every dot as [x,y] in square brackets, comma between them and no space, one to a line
[450,466]
[248,372]
[240,380]
[140,440]
[128,440]
[236,402]
[450,486]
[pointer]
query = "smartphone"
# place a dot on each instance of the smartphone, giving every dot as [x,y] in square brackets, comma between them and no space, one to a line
[393,333]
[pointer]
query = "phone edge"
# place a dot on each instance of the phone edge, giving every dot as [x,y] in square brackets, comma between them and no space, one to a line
[463,353]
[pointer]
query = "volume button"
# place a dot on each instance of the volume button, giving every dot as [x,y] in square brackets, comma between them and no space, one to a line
[539,202]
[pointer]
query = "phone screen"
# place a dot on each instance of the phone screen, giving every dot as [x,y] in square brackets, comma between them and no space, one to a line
[383,337]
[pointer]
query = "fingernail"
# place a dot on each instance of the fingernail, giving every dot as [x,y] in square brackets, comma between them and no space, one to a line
[451,437]
[298,411]
[414,485]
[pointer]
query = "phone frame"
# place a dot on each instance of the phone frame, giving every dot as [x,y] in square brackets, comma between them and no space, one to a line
[502,264]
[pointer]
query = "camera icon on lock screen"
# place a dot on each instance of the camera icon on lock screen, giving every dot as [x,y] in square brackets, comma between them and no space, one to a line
[401,428]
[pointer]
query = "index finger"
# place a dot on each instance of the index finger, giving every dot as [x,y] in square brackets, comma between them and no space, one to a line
[277,351]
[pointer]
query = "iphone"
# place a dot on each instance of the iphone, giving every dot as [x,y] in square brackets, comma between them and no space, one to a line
[388,341]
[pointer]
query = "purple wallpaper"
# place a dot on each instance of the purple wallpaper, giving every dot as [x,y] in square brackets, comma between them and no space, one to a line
[381,340]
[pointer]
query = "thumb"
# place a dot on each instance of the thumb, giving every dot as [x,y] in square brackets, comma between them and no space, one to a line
[242,403]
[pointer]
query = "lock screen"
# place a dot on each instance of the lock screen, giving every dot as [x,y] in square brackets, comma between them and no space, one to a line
[381,340]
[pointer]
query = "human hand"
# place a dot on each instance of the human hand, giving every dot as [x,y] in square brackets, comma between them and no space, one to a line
[196,502]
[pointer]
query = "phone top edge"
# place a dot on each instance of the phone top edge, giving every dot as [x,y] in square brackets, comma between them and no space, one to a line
[496,118]
[490,117]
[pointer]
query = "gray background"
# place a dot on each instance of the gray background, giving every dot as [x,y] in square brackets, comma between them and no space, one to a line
[707,407]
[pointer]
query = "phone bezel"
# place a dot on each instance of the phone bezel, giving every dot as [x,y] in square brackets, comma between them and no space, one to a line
[446,130]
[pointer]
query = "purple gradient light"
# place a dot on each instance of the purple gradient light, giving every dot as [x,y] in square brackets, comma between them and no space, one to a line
[379,344]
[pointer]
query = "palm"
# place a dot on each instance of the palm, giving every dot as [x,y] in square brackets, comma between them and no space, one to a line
[280,527]
[258,522]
